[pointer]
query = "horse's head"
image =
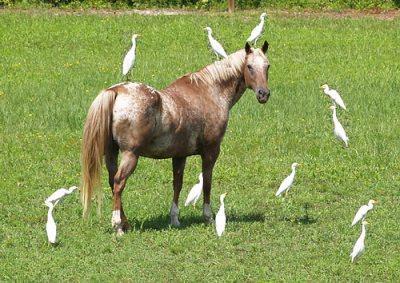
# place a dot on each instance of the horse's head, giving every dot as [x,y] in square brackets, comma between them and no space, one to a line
[256,71]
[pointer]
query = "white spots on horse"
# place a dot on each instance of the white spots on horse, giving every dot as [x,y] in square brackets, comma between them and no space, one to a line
[116,222]
[151,89]
[124,107]
[174,214]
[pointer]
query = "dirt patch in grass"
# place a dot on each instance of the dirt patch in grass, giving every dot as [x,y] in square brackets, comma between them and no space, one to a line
[350,13]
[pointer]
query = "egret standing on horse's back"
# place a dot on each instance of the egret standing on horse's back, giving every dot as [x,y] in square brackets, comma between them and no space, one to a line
[189,117]
[129,59]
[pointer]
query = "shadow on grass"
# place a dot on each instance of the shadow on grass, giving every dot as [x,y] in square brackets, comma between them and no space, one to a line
[304,219]
[161,222]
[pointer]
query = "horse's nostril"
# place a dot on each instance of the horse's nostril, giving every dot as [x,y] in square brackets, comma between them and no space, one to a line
[261,92]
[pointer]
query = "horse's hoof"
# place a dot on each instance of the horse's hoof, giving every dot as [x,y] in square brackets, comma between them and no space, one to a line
[120,232]
[208,220]
[175,222]
[207,214]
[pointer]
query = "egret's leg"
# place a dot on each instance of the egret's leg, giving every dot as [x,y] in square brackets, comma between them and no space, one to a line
[209,157]
[128,164]
[178,166]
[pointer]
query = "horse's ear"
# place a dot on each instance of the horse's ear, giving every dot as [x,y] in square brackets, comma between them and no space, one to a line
[247,47]
[264,48]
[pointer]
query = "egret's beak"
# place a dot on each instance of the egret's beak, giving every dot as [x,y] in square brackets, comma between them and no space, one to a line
[375,201]
[321,86]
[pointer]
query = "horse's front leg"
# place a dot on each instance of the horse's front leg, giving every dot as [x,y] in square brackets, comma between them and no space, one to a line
[209,157]
[178,166]
[126,167]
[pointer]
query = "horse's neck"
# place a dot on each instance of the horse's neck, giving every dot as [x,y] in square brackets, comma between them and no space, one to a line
[231,90]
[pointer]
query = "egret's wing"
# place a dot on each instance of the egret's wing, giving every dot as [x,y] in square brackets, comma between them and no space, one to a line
[362,211]
[256,32]
[193,194]
[51,227]
[56,195]
[217,47]
[284,185]
[128,61]
[337,98]
[340,131]
[220,222]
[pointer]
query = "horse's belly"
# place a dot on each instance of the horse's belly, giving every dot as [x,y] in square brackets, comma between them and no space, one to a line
[168,146]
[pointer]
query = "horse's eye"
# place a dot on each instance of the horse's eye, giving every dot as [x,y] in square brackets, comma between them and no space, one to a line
[250,67]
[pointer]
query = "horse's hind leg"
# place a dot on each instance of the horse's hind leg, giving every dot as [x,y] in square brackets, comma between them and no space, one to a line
[127,166]
[178,165]
[111,159]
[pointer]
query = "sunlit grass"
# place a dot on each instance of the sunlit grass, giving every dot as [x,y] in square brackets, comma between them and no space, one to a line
[53,66]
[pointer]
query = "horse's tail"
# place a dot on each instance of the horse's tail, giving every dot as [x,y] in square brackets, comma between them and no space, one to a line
[97,134]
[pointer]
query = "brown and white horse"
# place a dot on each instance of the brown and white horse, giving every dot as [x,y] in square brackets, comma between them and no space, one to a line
[189,117]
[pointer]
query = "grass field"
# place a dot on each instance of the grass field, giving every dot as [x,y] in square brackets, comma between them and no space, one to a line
[52,67]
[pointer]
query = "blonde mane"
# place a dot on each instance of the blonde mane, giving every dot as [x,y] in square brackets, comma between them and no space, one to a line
[221,70]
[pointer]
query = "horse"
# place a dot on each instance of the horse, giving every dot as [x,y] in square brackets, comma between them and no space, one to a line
[188,117]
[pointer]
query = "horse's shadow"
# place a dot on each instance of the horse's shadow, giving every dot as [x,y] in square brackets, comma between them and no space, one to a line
[162,221]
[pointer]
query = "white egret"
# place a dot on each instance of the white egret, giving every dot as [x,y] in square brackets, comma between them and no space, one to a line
[220,218]
[215,45]
[195,192]
[257,31]
[51,227]
[334,95]
[287,183]
[55,197]
[359,246]
[362,211]
[129,59]
[338,129]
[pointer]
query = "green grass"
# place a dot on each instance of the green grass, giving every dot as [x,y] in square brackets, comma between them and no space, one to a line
[53,66]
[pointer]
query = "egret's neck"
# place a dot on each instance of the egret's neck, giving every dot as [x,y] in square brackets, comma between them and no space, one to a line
[370,206]
[334,114]
[49,213]
[363,231]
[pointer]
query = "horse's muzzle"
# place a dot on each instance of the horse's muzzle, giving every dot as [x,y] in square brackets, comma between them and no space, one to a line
[263,95]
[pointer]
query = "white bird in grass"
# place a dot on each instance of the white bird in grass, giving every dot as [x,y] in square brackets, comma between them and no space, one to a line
[55,197]
[220,218]
[195,192]
[334,95]
[338,129]
[129,59]
[51,227]
[362,211]
[257,31]
[215,45]
[359,246]
[287,183]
